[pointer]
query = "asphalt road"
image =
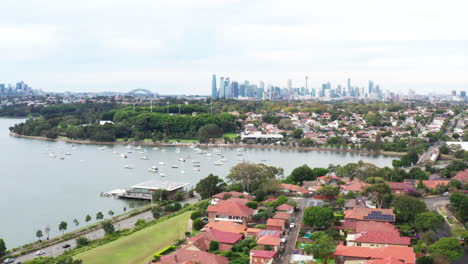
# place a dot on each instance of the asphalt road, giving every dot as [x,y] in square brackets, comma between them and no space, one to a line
[57,249]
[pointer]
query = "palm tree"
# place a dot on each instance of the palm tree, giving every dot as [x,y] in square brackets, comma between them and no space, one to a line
[39,234]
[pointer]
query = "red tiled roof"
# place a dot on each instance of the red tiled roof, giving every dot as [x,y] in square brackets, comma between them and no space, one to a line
[377,237]
[231,207]
[328,177]
[294,188]
[226,226]
[399,186]
[284,207]
[233,194]
[184,256]
[276,222]
[354,187]
[363,214]
[462,176]
[282,215]
[269,240]
[366,226]
[406,254]
[387,260]
[263,254]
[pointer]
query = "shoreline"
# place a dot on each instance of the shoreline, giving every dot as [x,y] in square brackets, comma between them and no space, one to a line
[162,144]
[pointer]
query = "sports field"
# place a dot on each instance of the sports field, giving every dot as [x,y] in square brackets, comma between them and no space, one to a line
[140,246]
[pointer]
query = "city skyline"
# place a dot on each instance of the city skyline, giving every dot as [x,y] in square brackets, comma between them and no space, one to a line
[174,47]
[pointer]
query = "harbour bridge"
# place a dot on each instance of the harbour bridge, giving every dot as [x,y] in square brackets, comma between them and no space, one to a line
[141,92]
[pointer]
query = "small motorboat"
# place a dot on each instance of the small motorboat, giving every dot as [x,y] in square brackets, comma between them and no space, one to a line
[174,166]
[145,158]
[161,163]
[123,155]
[162,174]
[208,154]
[183,172]
[196,169]
[68,154]
[223,160]
[182,159]
[129,166]
[218,163]
[153,169]
[52,155]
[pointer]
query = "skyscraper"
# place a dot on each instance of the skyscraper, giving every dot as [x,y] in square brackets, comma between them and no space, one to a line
[221,91]
[214,89]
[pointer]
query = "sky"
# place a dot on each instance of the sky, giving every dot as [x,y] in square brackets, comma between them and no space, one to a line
[174,46]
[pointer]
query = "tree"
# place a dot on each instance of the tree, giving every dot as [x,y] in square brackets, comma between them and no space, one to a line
[99,216]
[197,224]
[160,195]
[82,241]
[449,247]
[75,221]
[379,193]
[195,215]
[429,237]
[322,247]
[286,123]
[110,213]
[179,196]
[69,260]
[87,218]
[297,133]
[329,192]
[253,176]
[209,131]
[108,227]
[428,221]
[39,234]
[210,185]
[2,248]
[214,245]
[425,260]
[407,207]
[157,212]
[318,217]
[302,173]
[374,180]
[63,226]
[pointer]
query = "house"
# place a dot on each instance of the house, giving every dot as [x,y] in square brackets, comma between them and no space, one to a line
[282,215]
[399,187]
[345,254]
[202,240]
[251,232]
[276,224]
[184,256]
[369,214]
[461,176]
[377,239]
[329,179]
[266,232]
[262,256]
[285,208]
[227,226]
[431,184]
[233,210]
[293,189]
[269,243]
[227,195]
[353,187]
[355,203]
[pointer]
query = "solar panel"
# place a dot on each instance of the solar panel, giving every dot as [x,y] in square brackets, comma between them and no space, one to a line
[376,215]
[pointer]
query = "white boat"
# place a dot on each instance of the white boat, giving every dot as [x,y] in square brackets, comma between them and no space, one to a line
[155,148]
[68,154]
[177,150]
[208,154]
[52,155]
[240,149]
[145,158]
[223,160]
[163,150]
[196,169]
[101,148]
[115,152]
[195,161]
[129,151]
[182,171]
[161,163]
[175,166]
[137,148]
[218,163]
[182,159]
[162,174]
[196,165]
[123,155]
[153,169]
[240,154]
[62,158]
[129,166]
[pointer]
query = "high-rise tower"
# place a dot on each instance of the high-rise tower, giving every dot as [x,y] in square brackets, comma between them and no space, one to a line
[214,89]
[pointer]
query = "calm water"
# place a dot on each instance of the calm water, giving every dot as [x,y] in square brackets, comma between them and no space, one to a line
[38,190]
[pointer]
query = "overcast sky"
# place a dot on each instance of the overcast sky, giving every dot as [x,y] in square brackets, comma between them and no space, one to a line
[174,46]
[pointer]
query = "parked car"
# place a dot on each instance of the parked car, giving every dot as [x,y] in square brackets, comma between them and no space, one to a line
[446,194]
[66,246]
[292,225]
[9,260]
[40,252]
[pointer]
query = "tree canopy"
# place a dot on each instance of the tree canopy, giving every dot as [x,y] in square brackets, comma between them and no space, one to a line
[210,185]
[318,217]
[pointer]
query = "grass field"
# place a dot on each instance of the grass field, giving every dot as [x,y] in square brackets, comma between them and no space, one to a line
[230,135]
[140,246]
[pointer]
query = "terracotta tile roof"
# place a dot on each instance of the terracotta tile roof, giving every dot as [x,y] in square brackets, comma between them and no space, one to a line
[378,237]
[462,176]
[370,214]
[276,222]
[329,177]
[365,226]
[355,203]
[263,254]
[269,240]
[253,231]
[233,194]
[311,183]
[387,260]
[399,186]
[282,215]
[231,207]
[284,207]
[294,188]
[227,226]
[354,187]
[184,256]
[404,254]
[431,184]
[220,236]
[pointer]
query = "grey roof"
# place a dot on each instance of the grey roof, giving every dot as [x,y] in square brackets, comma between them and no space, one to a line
[155,185]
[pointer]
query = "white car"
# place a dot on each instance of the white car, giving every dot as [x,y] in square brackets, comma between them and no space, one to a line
[40,252]
[292,225]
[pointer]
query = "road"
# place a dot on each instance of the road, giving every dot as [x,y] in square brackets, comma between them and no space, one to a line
[291,238]
[57,249]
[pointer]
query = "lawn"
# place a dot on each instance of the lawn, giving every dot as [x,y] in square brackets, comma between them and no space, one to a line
[140,246]
[230,135]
